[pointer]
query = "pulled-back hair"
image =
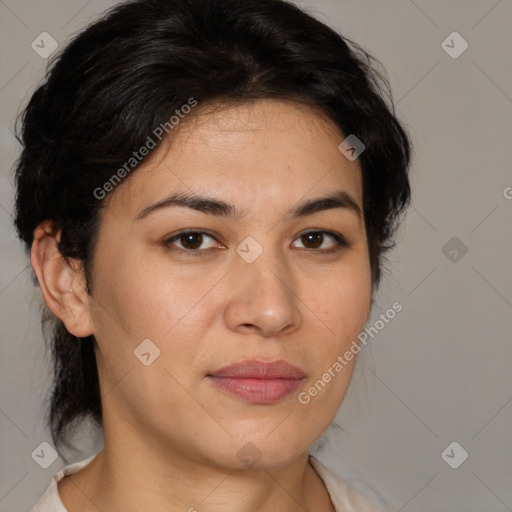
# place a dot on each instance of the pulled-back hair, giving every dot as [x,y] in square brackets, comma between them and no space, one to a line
[128,73]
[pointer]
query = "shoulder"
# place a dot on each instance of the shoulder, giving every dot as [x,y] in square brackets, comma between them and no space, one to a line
[344,497]
[50,500]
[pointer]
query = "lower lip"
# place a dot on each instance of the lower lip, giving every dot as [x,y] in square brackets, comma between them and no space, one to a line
[257,391]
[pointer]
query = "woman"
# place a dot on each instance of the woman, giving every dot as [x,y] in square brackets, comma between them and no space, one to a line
[207,189]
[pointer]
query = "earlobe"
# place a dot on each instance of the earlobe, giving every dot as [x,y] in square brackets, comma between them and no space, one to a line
[61,281]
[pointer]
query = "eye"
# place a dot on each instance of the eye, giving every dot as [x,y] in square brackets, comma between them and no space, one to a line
[190,241]
[315,239]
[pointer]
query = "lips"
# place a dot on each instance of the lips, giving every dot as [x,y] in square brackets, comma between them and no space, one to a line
[255,369]
[258,382]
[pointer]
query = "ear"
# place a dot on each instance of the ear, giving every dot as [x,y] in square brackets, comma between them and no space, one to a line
[61,280]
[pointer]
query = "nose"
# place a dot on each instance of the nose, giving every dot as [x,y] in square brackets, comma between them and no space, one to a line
[264,298]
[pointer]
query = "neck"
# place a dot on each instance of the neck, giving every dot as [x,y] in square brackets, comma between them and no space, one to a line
[153,477]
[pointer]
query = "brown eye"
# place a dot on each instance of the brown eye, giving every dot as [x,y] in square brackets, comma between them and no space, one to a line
[190,241]
[315,239]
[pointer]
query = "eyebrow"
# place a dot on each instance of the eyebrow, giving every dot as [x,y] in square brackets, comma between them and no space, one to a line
[212,206]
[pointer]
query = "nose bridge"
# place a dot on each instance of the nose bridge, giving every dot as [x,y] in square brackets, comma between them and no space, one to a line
[264,296]
[265,265]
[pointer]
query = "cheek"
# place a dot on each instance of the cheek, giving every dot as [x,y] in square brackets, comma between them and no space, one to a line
[171,306]
[140,301]
[351,301]
[147,299]
[343,307]
[345,304]
[345,299]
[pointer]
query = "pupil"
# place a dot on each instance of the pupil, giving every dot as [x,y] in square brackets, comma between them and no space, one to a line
[190,238]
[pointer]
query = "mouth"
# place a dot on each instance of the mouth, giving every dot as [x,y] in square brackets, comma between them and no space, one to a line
[258,382]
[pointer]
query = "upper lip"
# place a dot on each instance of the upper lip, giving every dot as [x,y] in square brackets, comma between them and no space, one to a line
[253,368]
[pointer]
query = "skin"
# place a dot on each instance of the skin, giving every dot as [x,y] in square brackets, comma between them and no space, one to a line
[171,437]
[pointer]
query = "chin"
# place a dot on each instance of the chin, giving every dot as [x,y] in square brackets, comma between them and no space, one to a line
[264,451]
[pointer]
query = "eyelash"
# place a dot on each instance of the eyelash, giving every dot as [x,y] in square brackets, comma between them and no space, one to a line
[340,239]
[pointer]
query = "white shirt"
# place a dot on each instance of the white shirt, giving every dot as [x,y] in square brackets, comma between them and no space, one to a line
[343,496]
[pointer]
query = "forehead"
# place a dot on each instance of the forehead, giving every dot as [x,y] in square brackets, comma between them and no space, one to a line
[252,155]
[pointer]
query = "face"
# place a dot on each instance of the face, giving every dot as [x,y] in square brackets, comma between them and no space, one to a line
[262,279]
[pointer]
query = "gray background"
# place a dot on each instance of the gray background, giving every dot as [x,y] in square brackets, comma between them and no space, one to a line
[440,370]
